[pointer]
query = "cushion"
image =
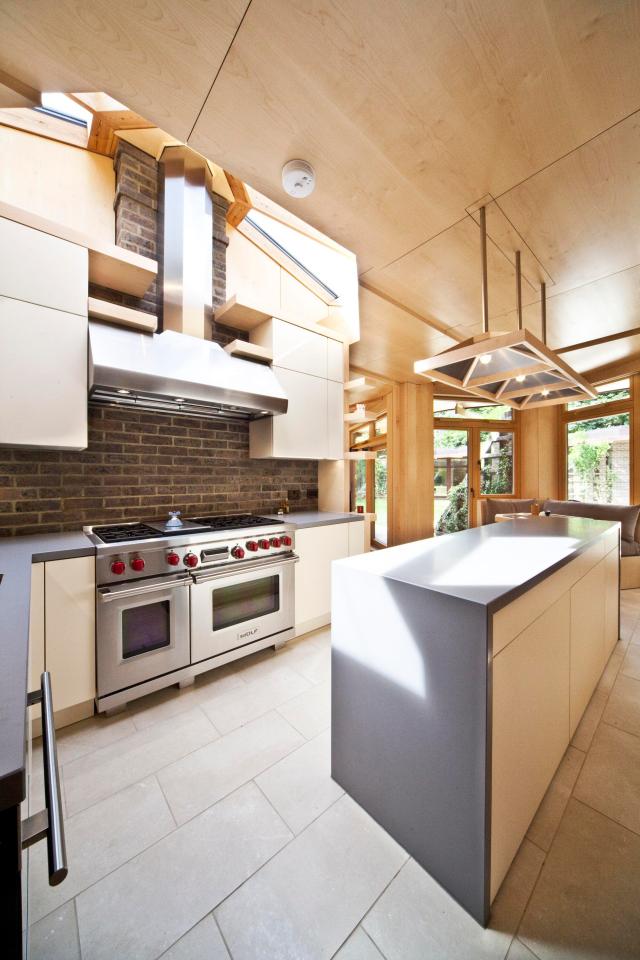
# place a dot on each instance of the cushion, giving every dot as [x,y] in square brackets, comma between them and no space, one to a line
[629,548]
[491,507]
[626,516]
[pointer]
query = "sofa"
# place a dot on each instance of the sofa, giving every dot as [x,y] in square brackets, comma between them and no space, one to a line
[627,516]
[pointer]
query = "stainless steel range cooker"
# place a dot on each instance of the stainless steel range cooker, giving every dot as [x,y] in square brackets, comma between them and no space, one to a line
[176,598]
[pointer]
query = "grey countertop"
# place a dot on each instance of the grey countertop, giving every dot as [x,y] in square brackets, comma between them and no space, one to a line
[16,556]
[489,565]
[314,518]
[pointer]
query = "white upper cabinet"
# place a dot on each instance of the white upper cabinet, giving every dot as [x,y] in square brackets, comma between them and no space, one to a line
[309,367]
[43,339]
[42,269]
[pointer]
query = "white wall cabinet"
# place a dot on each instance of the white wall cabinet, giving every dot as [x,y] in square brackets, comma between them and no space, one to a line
[62,634]
[587,638]
[310,368]
[317,548]
[43,339]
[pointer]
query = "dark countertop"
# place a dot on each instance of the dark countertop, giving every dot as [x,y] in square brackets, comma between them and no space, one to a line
[314,518]
[16,556]
[489,565]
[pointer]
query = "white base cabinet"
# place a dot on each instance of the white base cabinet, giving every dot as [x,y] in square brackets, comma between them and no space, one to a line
[317,548]
[62,634]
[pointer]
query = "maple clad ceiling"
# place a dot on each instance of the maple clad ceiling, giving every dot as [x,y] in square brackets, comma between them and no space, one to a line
[412,113]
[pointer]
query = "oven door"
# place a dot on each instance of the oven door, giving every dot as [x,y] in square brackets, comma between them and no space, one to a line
[233,608]
[142,631]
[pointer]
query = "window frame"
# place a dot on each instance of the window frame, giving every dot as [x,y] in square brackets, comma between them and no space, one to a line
[374,442]
[625,405]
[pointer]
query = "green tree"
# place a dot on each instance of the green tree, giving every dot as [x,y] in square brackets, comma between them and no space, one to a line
[456,514]
[591,462]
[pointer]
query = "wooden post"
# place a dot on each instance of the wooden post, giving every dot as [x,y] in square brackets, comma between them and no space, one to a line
[411,463]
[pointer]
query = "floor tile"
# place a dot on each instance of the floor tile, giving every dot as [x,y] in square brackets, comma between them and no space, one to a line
[82,738]
[623,708]
[171,701]
[612,668]
[518,951]
[547,819]
[55,937]
[306,901]
[202,942]
[358,947]
[300,786]
[631,663]
[210,773]
[108,770]
[311,658]
[590,719]
[99,840]
[610,779]
[236,707]
[585,904]
[311,712]
[415,918]
[158,896]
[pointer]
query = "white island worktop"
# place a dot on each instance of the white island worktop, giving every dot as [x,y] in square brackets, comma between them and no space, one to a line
[461,666]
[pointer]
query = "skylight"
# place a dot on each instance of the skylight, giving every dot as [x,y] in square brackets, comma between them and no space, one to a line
[64,108]
[317,261]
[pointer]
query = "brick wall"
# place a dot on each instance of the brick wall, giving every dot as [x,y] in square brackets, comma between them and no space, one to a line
[142,465]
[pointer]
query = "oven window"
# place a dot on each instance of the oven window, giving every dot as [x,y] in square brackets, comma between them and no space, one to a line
[245,601]
[145,628]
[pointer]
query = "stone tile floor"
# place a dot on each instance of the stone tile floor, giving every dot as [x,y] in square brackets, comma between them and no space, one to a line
[203,823]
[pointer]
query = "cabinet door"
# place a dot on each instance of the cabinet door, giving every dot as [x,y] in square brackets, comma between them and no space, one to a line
[298,349]
[530,728]
[70,599]
[335,360]
[357,532]
[302,431]
[43,370]
[317,547]
[612,600]
[42,269]
[36,631]
[587,639]
[335,421]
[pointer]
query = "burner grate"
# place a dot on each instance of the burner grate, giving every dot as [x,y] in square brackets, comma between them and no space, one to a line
[126,532]
[233,522]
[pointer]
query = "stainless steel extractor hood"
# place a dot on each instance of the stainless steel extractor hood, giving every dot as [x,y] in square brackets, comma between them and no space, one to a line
[178,374]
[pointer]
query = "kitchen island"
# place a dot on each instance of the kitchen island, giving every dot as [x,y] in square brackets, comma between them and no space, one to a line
[461,667]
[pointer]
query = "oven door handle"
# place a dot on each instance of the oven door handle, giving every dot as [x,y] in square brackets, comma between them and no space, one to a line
[231,569]
[116,593]
[48,822]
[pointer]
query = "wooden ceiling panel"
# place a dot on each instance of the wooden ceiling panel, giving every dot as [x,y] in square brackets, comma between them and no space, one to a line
[411,112]
[156,56]
[606,353]
[581,216]
[442,280]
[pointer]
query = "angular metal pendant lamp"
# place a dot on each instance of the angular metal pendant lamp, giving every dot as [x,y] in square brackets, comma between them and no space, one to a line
[513,368]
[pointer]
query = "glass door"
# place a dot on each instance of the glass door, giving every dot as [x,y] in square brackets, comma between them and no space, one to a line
[451,490]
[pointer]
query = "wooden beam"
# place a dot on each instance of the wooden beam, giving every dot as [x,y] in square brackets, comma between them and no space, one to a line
[585,344]
[614,371]
[434,324]
[241,203]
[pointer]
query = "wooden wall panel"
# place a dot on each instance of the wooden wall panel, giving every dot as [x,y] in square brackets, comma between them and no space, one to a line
[539,438]
[411,463]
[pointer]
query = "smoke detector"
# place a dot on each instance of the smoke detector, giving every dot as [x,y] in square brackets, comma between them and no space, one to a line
[298,178]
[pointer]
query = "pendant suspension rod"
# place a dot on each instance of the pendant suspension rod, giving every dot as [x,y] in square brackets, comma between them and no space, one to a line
[485,284]
[519,289]
[543,311]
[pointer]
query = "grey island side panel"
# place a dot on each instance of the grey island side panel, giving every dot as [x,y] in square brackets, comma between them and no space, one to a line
[16,556]
[412,679]
[409,723]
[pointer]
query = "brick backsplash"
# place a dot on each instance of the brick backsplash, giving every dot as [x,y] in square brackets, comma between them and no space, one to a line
[142,465]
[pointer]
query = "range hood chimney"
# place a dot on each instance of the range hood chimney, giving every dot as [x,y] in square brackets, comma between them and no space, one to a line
[188,242]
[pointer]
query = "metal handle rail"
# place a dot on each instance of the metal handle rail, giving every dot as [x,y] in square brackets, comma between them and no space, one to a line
[230,569]
[48,822]
[118,593]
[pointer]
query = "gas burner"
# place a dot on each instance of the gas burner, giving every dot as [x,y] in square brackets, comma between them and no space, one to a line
[233,522]
[126,532]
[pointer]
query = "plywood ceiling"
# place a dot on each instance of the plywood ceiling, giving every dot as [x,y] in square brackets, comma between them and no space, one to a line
[411,113]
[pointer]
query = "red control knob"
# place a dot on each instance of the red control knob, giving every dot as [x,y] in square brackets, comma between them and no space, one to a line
[137,564]
[238,553]
[190,560]
[286,541]
[251,545]
[173,559]
[263,544]
[118,567]
[275,541]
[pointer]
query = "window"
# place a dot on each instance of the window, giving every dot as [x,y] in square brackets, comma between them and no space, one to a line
[471,410]
[380,494]
[598,446]
[496,462]
[369,485]
[450,481]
